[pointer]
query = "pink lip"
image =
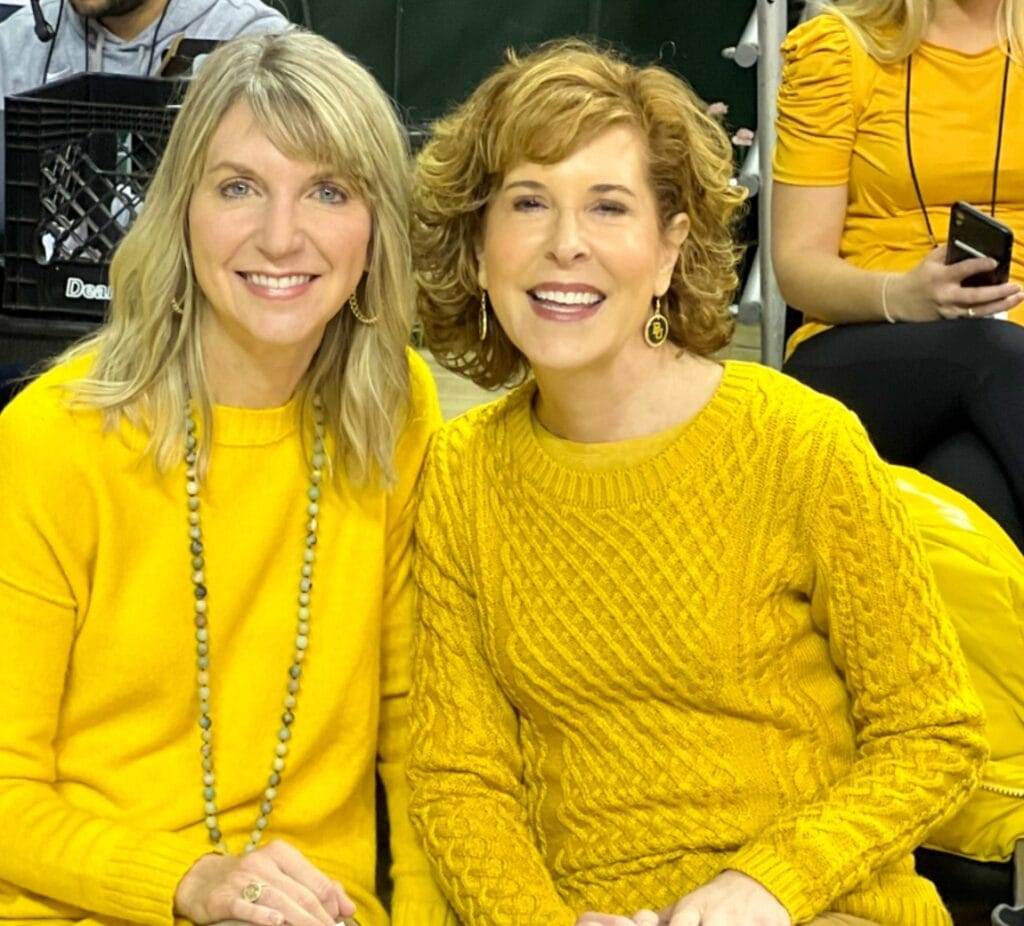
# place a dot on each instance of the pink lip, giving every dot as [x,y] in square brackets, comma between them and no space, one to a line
[265,292]
[566,313]
[575,313]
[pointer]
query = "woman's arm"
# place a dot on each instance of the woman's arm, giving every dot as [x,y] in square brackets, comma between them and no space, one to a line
[826,77]
[465,767]
[807,226]
[74,857]
[417,900]
[918,725]
[55,849]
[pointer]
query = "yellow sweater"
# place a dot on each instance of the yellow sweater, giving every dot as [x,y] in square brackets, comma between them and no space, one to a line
[729,655]
[101,805]
[841,121]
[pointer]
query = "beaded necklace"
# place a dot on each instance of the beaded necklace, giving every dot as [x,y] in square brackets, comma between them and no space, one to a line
[202,633]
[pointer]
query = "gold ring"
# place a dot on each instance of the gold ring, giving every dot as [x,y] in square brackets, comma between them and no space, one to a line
[253,891]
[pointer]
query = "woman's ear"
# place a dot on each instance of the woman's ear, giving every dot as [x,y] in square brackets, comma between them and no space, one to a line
[672,239]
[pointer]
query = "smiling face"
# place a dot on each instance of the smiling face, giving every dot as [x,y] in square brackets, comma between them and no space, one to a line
[277,245]
[573,254]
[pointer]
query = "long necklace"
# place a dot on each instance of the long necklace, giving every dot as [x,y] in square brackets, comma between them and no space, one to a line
[284,733]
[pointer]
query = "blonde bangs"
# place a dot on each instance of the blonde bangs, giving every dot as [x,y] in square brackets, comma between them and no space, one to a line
[148,354]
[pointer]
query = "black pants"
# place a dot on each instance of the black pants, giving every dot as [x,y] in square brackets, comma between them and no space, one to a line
[945,397]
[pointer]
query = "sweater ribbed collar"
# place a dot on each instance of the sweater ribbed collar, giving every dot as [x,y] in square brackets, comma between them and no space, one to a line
[525,458]
[250,427]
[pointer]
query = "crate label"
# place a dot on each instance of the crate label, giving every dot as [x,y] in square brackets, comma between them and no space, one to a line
[77,288]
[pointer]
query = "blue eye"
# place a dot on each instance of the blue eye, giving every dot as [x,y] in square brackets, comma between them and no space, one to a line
[235,189]
[330,194]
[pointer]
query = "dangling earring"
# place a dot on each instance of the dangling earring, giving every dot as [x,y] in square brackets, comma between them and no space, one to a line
[656,329]
[176,307]
[353,304]
[483,315]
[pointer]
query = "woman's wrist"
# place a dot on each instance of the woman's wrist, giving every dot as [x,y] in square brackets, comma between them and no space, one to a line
[886,311]
[184,894]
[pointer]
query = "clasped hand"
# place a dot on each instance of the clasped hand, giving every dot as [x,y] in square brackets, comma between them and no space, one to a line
[291,890]
[731,899]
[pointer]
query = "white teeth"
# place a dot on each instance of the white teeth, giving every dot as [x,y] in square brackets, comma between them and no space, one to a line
[570,298]
[268,282]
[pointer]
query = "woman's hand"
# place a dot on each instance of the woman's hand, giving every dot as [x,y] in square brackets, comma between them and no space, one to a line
[934,290]
[731,899]
[290,889]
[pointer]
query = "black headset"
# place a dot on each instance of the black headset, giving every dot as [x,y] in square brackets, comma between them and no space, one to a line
[47,33]
[44,31]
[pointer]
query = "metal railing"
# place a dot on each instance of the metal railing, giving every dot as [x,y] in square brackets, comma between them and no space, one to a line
[760,300]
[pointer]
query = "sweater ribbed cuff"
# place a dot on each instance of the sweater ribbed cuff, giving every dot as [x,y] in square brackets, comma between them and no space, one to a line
[787,884]
[140,879]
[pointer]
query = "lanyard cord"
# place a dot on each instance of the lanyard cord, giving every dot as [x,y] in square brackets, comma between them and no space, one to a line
[999,136]
[910,152]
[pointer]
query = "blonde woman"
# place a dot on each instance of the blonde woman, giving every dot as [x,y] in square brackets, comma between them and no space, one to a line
[889,112]
[680,658]
[204,571]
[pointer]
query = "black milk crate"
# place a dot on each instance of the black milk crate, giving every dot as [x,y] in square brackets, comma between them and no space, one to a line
[80,154]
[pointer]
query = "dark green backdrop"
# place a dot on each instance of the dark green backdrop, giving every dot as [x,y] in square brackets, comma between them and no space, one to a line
[429,53]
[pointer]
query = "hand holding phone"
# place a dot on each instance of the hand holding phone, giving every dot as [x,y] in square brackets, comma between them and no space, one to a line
[974,234]
[934,290]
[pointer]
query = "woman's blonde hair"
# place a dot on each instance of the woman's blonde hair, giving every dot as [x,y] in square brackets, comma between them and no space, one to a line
[540,108]
[317,105]
[891,30]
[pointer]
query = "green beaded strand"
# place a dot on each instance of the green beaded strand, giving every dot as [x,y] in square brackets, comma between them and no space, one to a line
[202,634]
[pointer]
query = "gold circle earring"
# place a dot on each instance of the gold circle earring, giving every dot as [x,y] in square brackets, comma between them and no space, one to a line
[656,329]
[483,315]
[353,304]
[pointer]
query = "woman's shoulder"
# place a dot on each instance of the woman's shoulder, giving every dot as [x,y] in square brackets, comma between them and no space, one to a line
[780,404]
[479,432]
[825,46]
[45,438]
[44,405]
[826,32]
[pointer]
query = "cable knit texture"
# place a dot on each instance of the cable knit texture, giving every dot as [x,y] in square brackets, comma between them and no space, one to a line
[728,655]
[101,802]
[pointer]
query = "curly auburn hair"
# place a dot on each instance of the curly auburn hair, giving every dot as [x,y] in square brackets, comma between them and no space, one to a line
[540,108]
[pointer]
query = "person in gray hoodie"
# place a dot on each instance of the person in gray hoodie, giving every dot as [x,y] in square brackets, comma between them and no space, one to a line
[114,37]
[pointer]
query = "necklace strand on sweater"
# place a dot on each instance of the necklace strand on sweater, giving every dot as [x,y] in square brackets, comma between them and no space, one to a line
[202,633]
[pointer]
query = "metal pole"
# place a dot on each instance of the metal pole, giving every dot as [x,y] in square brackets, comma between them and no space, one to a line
[771,30]
[750,173]
[746,50]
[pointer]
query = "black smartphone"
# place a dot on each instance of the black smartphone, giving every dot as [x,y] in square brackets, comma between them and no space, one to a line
[974,234]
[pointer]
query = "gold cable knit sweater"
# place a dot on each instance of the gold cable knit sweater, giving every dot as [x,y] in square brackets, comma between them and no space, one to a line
[729,655]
